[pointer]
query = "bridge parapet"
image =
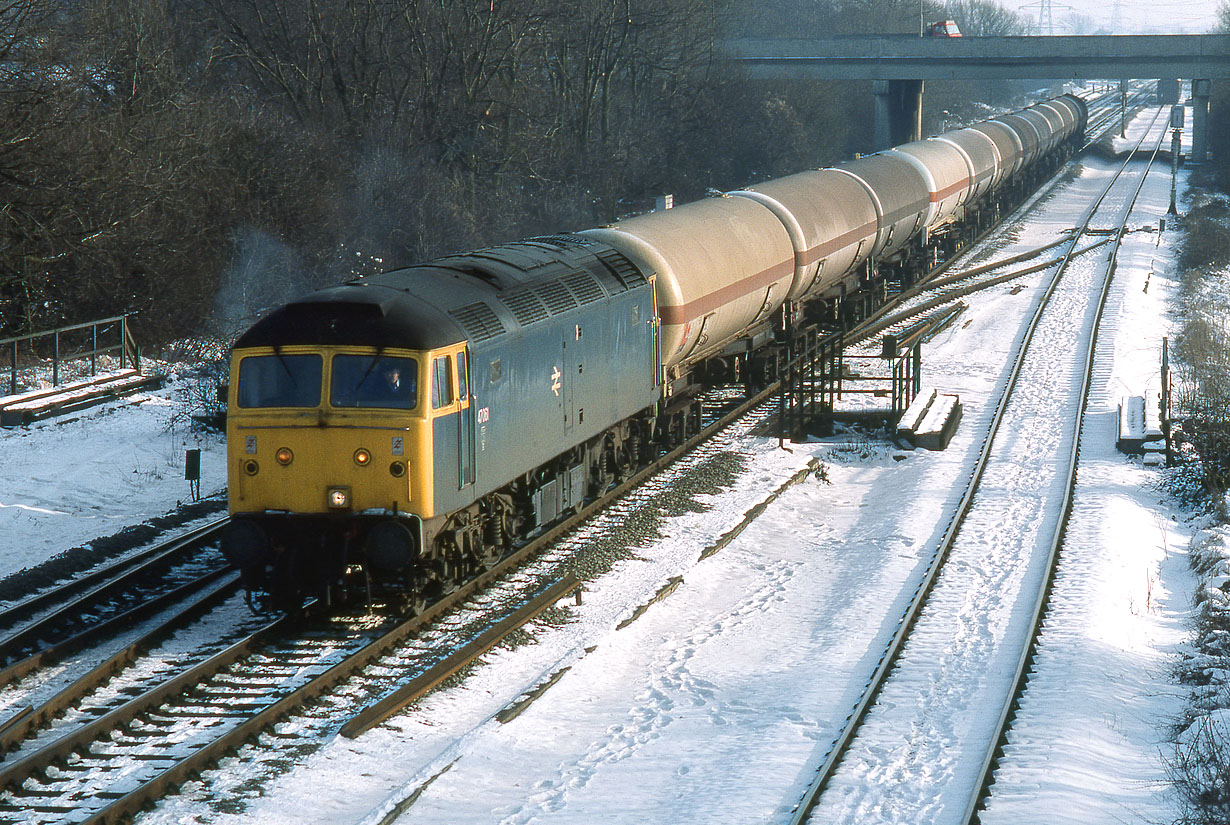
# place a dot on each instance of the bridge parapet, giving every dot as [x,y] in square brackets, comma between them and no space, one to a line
[907,57]
[900,64]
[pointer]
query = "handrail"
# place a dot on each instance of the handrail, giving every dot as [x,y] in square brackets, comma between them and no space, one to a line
[69,328]
[127,346]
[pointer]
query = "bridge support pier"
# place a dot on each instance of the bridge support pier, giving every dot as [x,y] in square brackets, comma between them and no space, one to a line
[898,112]
[1200,120]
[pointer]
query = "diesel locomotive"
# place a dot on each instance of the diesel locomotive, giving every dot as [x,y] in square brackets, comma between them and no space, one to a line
[405,430]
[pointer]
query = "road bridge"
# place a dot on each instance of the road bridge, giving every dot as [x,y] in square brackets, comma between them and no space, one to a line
[900,64]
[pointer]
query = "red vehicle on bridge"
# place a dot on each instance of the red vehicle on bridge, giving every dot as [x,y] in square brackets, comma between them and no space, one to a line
[944,28]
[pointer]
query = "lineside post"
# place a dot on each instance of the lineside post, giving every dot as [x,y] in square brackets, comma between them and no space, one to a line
[1164,412]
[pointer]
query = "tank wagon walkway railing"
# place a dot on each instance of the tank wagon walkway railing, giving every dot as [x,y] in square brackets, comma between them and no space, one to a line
[81,358]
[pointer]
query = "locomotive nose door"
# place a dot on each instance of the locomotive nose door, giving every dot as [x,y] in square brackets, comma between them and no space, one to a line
[465,424]
[571,377]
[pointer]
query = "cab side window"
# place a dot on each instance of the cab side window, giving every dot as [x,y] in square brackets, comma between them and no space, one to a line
[441,383]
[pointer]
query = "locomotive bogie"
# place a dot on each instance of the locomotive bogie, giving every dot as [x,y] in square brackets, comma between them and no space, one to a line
[722,265]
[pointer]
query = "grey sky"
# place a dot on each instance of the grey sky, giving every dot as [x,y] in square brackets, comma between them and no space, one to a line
[1125,16]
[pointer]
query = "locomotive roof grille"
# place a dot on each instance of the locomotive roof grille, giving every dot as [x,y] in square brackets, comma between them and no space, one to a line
[585,287]
[556,296]
[479,321]
[561,242]
[621,268]
[526,307]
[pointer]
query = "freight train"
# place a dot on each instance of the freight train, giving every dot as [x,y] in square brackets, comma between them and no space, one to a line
[406,430]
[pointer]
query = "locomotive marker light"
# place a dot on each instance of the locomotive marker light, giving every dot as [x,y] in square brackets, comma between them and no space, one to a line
[284,456]
[362,457]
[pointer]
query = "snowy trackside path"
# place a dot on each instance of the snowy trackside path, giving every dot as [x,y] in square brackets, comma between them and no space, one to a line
[919,748]
[1087,742]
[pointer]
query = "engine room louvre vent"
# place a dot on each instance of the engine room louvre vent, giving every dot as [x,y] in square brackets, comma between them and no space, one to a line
[585,288]
[526,307]
[622,268]
[560,242]
[479,321]
[556,296]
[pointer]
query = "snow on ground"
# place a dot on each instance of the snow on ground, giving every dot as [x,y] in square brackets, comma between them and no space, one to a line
[92,473]
[718,702]
[1119,609]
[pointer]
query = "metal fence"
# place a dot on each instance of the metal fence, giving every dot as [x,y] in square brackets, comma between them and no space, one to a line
[76,342]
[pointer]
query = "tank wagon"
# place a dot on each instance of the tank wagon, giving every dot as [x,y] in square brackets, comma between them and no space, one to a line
[406,430]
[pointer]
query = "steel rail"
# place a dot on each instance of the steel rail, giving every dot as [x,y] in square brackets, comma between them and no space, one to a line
[45,636]
[969,289]
[31,718]
[201,757]
[19,611]
[11,775]
[905,625]
[56,651]
[1021,675]
[415,689]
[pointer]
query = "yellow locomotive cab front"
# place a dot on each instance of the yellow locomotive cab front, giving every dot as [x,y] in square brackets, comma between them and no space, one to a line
[325,431]
[329,458]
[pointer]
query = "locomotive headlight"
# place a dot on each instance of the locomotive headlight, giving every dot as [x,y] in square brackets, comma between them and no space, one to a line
[339,497]
[284,456]
[362,457]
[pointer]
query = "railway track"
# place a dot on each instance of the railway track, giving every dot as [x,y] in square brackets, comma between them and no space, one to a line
[172,722]
[981,554]
[183,701]
[37,629]
[61,644]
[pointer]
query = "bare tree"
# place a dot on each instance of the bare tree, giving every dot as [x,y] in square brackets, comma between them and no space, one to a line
[984,18]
